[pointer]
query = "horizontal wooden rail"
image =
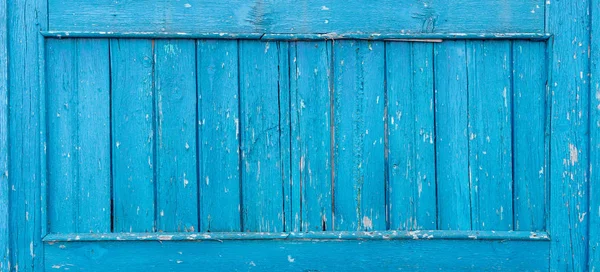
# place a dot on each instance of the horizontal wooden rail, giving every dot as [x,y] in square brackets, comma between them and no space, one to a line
[293,255]
[328,235]
[301,17]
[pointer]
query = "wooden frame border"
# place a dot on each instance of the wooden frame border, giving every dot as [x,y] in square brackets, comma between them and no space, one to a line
[570,148]
[4,126]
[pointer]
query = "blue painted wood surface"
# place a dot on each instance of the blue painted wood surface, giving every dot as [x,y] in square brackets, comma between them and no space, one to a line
[99,134]
[338,18]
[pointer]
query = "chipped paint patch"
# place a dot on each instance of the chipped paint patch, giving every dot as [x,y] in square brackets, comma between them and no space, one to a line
[573,154]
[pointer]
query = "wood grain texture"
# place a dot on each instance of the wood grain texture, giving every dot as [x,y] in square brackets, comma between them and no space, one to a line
[219,135]
[379,255]
[311,79]
[78,135]
[262,184]
[490,134]
[26,171]
[569,176]
[359,177]
[530,154]
[338,18]
[594,163]
[410,122]
[176,157]
[452,142]
[133,139]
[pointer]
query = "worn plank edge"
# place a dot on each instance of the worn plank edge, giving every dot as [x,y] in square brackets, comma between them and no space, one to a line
[327,235]
[295,37]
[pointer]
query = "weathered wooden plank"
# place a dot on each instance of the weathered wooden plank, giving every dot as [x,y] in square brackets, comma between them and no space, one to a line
[311,132]
[529,132]
[4,147]
[569,161]
[62,135]
[274,255]
[92,107]
[175,109]
[452,143]
[241,17]
[359,167]
[26,113]
[594,163]
[219,134]
[410,122]
[262,184]
[133,135]
[490,134]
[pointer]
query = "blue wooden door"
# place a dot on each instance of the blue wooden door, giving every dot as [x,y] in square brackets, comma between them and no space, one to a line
[243,135]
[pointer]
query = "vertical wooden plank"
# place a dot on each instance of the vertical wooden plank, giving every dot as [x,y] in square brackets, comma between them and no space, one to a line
[569,149]
[62,135]
[594,164]
[93,132]
[411,151]
[26,93]
[490,134]
[4,189]
[452,143]
[294,193]
[529,132]
[311,116]
[285,126]
[78,136]
[219,135]
[133,135]
[359,182]
[176,175]
[262,190]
